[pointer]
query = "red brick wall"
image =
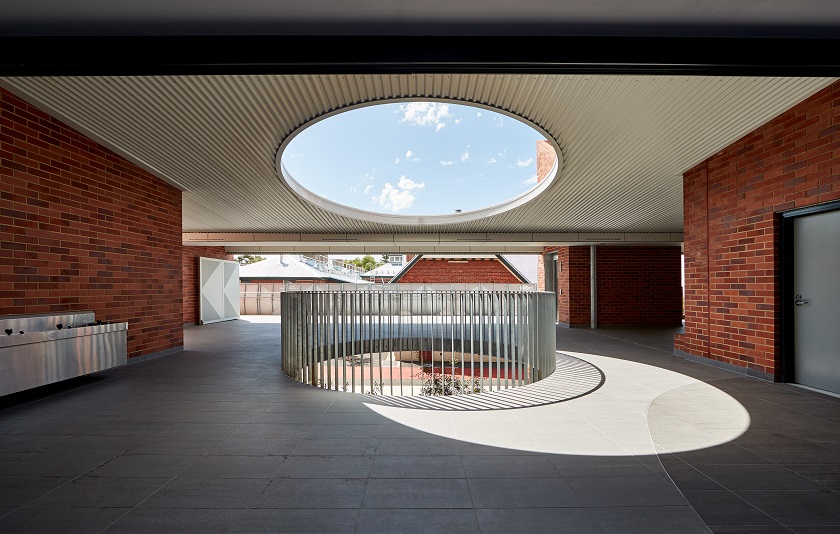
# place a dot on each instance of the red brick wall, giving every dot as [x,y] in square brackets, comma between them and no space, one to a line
[545,159]
[639,286]
[573,302]
[541,268]
[731,234]
[445,271]
[695,213]
[190,271]
[84,229]
[575,271]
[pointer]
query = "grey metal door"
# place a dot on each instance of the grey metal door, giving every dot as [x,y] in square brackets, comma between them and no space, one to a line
[816,301]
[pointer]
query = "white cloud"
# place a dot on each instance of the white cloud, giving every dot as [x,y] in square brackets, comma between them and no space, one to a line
[368,188]
[426,114]
[409,185]
[293,155]
[458,121]
[465,156]
[499,122]
[408,154]
[491,161]
[367,178]
[447,163]
[524,163]
[396,161]
[400,197]
[477,114]
[531,180]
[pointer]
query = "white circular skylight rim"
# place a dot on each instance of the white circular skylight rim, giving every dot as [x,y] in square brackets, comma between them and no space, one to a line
[414,220]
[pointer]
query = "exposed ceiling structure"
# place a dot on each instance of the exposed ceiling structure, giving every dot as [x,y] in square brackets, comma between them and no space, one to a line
[430,17]
[203,94]
[625,142]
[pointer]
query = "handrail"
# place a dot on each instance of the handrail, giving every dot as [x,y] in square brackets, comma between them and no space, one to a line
[325,264]
[266,299]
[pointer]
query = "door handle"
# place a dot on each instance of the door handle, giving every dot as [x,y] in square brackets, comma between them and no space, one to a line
[799,301]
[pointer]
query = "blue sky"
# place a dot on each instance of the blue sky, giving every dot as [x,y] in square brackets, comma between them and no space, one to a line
[415,158]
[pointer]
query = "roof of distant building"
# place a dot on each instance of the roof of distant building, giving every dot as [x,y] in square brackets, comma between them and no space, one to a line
[388,270]
[526,264]
[291,268]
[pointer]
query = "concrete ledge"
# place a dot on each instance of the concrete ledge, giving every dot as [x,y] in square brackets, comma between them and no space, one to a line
[576,325]
[723,365]
[639,325]
[159,354]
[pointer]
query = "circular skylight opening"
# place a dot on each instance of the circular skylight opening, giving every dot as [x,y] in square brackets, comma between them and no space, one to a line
[418,162]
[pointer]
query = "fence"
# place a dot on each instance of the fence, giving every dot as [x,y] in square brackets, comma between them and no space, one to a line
[400,342]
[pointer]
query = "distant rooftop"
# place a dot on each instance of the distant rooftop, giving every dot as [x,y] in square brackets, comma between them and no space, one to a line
[389,270]
[293,267]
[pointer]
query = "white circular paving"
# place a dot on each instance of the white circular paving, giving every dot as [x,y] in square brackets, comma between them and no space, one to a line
[573,378]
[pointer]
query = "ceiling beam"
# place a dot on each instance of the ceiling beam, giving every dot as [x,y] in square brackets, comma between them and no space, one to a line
[326,54]
[486,243]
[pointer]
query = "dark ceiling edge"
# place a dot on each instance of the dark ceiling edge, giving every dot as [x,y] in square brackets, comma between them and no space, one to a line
[407,267]
[318,54]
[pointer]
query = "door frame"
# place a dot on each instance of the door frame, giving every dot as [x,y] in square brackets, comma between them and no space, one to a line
[551,259]
[786,221]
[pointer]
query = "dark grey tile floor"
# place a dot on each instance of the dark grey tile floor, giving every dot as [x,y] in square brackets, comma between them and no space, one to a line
[217,439]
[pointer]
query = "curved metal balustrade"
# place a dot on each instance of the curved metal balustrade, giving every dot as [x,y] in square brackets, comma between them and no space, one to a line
[410,343]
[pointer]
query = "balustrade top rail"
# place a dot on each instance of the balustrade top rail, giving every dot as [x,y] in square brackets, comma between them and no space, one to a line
[391,288]
[263,298]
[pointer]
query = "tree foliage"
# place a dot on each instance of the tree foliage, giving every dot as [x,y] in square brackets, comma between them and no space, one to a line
[366,262]
[247,259]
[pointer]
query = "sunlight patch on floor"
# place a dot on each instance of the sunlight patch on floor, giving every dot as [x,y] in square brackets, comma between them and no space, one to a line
[639,408]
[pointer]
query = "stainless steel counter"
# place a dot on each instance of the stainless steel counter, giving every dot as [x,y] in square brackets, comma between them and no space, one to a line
[44,354]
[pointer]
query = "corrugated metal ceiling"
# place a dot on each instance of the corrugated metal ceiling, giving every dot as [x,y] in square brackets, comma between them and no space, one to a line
[626,140]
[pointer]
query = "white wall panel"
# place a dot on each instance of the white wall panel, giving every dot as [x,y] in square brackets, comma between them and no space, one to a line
[218,290]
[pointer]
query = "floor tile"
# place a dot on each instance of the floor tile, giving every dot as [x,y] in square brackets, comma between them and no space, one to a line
[233,467]
[524,493]
[311,493]
[101,492]
[627,491]
[650,520]
[419,521]
[22,490]
[206,493]
[325,467]
[417,467]
[417,493]
[722,507]
[38,519]
[144,466]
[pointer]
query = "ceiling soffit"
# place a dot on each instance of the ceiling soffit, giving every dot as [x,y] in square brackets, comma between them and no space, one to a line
[625,139]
